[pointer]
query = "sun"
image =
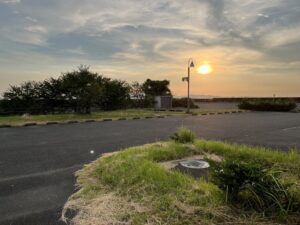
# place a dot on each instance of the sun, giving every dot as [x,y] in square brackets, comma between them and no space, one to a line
[204,69]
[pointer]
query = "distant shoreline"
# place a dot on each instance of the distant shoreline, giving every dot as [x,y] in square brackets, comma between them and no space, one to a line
[238,99]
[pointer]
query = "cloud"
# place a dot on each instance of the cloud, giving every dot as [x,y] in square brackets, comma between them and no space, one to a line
[285,36]
[158,33]
[10,1]
[36,29]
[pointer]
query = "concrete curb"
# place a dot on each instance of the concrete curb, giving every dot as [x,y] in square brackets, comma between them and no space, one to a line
[116,119]
[5,126]
[51,123]
[216,113]
[89,121]
[29,124]
[72,121]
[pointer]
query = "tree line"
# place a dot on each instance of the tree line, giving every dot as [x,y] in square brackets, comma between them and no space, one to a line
[80,91]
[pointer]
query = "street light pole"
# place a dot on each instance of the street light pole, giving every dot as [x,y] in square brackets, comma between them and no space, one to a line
[190,64]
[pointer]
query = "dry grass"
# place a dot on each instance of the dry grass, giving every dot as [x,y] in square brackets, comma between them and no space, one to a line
[136,187]
[105,209]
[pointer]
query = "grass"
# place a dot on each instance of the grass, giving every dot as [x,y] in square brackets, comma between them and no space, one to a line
[269,157]
[129,113]
[153,195]
[184,135]
[17,120]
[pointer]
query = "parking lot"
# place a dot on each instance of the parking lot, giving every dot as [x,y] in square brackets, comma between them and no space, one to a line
[37,164]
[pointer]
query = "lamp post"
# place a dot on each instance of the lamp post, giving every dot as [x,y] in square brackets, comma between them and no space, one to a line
[190,65]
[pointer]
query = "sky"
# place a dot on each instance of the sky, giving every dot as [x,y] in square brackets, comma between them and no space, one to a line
[253,46]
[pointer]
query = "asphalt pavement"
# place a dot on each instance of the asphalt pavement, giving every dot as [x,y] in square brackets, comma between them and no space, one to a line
[37,163]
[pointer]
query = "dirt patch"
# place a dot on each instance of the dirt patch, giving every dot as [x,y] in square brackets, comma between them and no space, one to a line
[173,163]
[105,209]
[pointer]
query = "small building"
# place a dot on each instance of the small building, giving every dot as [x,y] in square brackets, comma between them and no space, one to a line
[163,102]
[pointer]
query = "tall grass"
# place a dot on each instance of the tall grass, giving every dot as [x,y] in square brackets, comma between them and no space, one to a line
[175,198]
[184,135]
[268,157]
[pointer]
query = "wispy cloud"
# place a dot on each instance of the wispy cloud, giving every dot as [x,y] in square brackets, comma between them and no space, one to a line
[10,1]
[243,35]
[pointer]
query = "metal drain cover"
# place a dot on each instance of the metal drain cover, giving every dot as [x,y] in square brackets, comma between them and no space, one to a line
[195,168]
[195,164]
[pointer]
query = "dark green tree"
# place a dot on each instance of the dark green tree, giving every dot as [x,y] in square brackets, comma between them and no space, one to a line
[82,88]
[76,91]
[156,87]
[115,95]
[23,98]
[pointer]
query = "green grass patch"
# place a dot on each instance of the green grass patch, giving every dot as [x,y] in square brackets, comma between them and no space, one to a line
[280,105]
[171,197]
[130,113]
[286,161]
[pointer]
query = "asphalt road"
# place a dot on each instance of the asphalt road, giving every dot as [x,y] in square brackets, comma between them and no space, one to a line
[37,163]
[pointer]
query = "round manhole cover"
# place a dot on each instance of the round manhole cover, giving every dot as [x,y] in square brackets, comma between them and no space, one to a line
[195,168]
[194,164]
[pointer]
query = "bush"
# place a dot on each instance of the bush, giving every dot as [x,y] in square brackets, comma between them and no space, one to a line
[254,187]
[184,135]
[280,105]
[182,102]
[78,91]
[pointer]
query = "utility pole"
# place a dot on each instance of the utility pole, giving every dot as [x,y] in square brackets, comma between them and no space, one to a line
[190,65]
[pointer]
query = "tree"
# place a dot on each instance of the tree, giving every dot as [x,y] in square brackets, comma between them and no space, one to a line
[23,98]
[115,95]
[82,88]
[138,96]
[156,87]
[79,91]
[137,91]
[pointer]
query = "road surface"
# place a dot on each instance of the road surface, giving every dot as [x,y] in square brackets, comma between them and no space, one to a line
[37,163]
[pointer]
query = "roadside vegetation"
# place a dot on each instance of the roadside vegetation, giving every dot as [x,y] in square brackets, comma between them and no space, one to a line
[116,114]
[80,91]
[101,115]
[247,185]
[182,103]
[280,105]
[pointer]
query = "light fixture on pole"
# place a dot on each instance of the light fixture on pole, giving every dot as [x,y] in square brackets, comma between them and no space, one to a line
[190,65]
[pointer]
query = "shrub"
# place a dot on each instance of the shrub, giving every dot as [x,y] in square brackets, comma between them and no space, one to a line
[253,186]
[281,105]
[78,91]
[182,102]
[184,135]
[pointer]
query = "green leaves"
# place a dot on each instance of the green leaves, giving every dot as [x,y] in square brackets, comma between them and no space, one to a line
[252,186]
[76,91]
[268,105]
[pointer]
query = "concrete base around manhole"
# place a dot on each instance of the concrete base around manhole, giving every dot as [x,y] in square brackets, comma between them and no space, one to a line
[195,168]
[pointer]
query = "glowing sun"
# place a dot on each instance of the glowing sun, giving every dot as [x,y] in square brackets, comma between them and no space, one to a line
[204,69]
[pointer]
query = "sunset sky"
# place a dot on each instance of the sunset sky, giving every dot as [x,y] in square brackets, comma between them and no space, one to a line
[252,46]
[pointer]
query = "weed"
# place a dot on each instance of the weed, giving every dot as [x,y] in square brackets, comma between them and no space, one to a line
[184,135]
